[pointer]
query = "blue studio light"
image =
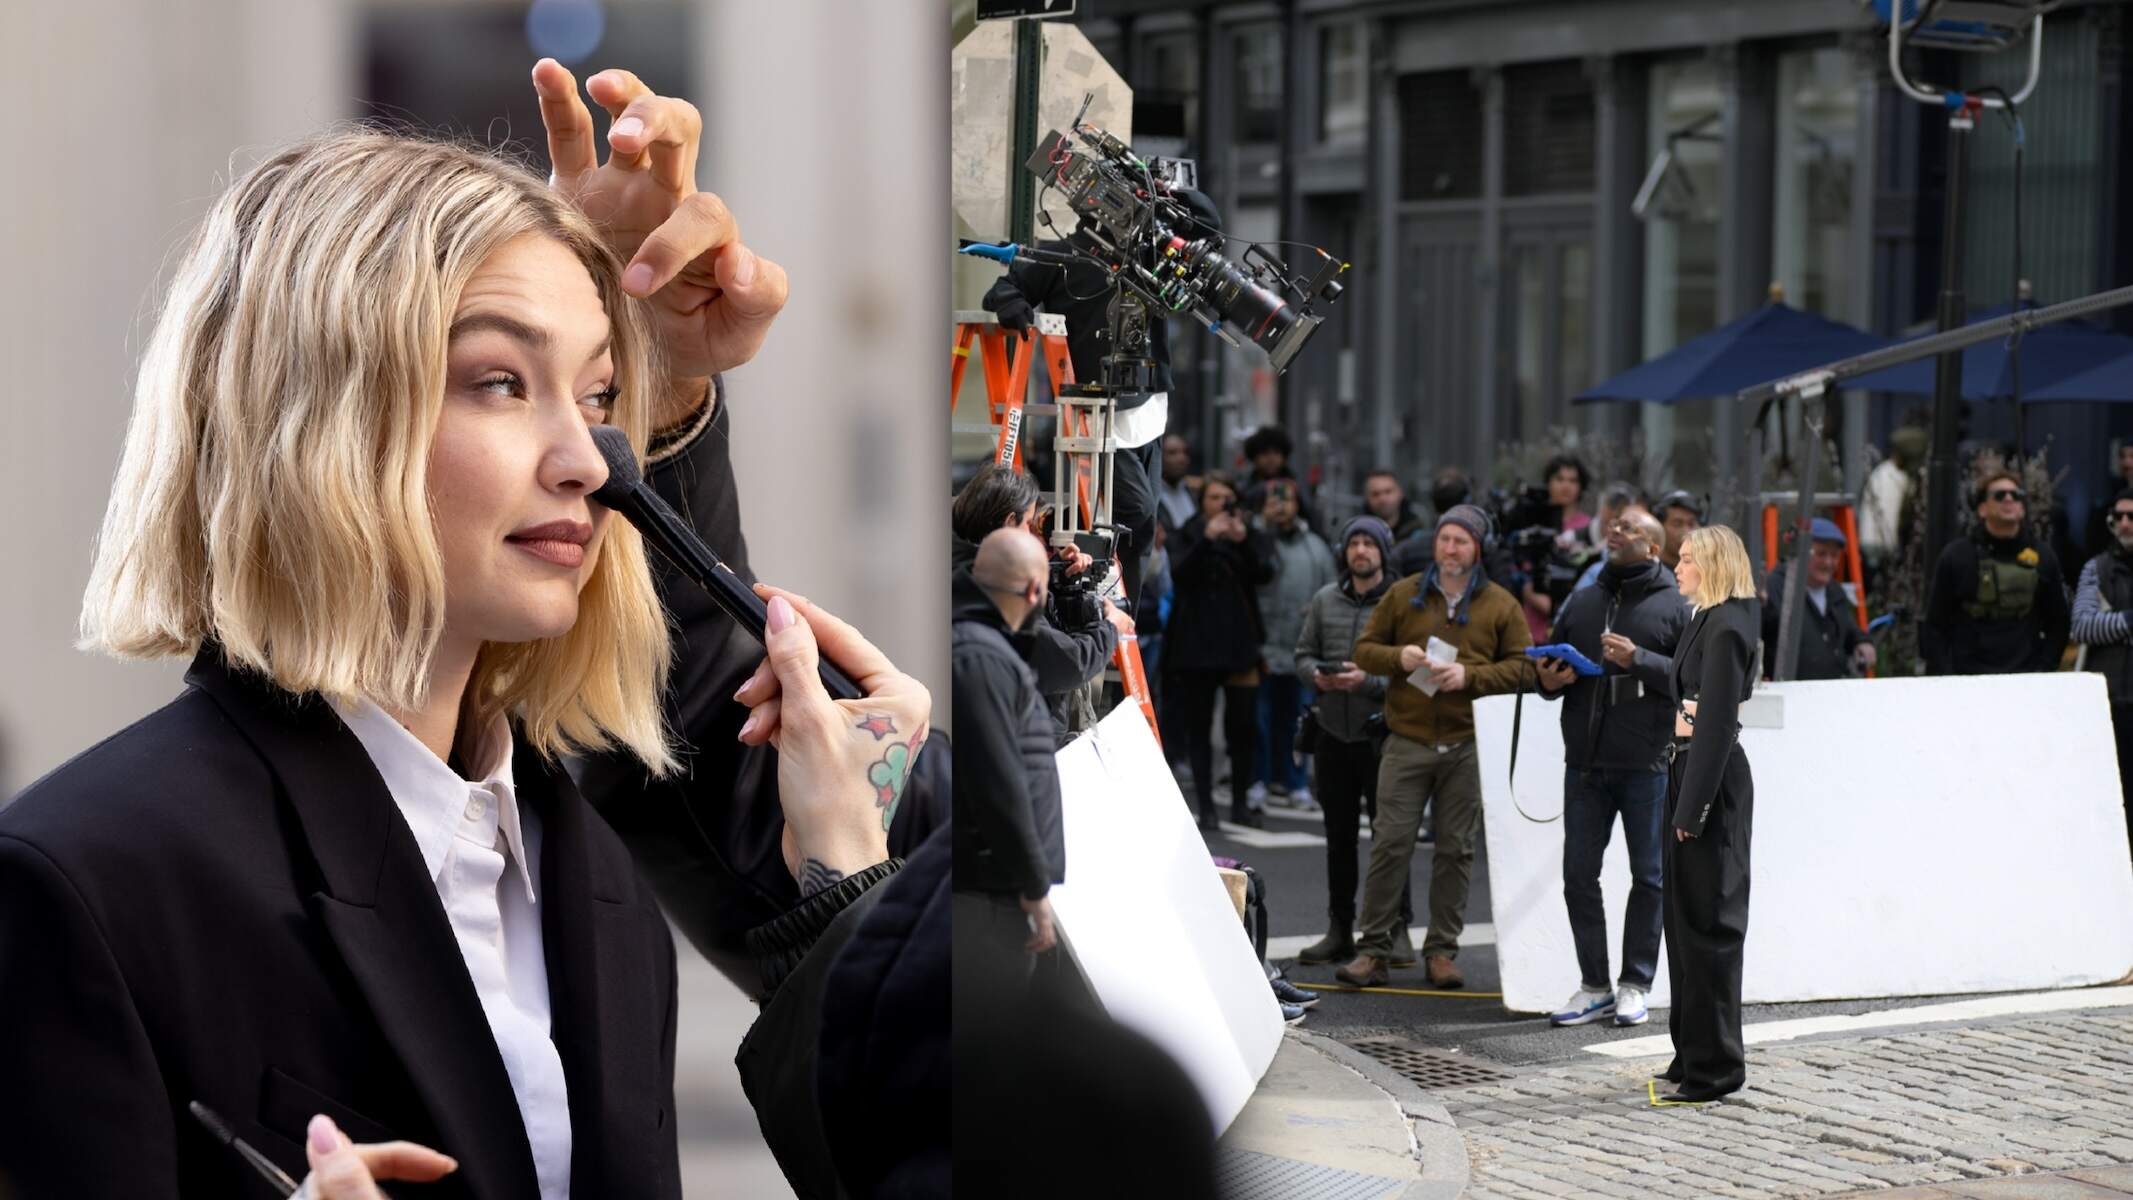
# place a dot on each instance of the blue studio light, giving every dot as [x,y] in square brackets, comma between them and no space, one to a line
[565,30]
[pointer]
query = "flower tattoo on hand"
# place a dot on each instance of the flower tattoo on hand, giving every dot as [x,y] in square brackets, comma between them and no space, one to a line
[892,771]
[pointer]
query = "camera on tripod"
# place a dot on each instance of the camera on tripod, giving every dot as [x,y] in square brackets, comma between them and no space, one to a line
[1075,602]
[1149,241]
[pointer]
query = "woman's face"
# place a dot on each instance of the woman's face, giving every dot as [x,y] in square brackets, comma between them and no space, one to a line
[513,464]
[1563,487]
[1687,575]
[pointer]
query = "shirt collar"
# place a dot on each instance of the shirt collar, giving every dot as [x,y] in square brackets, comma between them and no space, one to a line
[430,794]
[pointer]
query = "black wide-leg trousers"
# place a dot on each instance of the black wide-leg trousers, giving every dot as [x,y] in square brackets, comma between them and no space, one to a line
[1706,924]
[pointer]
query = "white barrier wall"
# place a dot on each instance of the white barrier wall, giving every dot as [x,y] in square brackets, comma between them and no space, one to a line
[1912,837]
[1151,923]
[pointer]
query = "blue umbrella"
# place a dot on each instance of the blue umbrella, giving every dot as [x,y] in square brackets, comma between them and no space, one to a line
[1772,342]
[2060,361]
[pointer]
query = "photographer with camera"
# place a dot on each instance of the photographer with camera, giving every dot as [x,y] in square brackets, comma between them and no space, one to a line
[1213,643]
[1548,540]
[1068,640]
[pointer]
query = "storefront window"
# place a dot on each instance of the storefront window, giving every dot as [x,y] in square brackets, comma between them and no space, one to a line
[1343,92]
[1681,255]
[1257,50]
[1817,132]
[1166,92]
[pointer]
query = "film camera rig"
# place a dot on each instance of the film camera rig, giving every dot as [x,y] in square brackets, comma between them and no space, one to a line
[1158,257]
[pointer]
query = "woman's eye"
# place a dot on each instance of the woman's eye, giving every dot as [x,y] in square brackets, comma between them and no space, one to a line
[603,401]
[509,384]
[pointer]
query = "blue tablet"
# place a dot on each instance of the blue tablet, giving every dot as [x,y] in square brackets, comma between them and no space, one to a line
[1569,654]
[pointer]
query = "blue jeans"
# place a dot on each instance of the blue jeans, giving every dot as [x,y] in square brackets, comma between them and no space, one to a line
[1281,701]
[1591,799]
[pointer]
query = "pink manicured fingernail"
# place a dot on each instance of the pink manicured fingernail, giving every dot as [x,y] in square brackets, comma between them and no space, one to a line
[628,127]
[748,726]
[744,271]
[637,279]
[324,1138]
[781,614]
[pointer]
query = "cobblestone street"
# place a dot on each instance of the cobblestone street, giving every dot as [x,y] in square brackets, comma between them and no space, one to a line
[1817,1118]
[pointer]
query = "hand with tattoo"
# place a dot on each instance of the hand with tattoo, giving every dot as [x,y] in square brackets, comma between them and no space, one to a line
[842,764]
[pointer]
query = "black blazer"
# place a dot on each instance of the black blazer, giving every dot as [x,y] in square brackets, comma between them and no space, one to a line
[222,903]
[1715,667]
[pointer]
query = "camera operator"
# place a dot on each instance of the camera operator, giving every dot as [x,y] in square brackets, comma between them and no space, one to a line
[1081,292]
[1066,649]
[1613,727]
[1549,546]
[1212,644]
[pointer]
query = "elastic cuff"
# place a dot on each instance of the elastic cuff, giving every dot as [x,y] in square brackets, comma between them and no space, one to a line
[779,945]
[675,441]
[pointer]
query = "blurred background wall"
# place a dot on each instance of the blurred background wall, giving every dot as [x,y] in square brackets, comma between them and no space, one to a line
[824,129]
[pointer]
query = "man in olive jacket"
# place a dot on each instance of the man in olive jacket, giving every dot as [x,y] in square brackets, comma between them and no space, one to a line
[1430,753]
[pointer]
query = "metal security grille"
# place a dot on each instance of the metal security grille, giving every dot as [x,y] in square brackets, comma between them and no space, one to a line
[1440,136]
[1548,129]
[1430,1069]
[1245,1175]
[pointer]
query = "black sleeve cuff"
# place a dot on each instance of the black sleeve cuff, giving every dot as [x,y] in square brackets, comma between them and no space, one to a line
[779,945]
[676,442]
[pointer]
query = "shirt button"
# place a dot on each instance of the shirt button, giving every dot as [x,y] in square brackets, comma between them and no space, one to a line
[475,807]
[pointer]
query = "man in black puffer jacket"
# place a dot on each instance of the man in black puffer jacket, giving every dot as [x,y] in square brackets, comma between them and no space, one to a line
[1010,843]
[1613,727]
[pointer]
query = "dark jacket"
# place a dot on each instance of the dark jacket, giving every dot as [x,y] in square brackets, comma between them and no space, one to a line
[2114,587]
[1618,721]
[1080,292]
[1214,619]
[1331,624]
[1969,627]
[1827,639]
[1715,667]
[222,903]
[1064,659]
[1009,837]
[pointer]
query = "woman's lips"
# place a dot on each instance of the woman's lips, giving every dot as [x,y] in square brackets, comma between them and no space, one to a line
[562,554]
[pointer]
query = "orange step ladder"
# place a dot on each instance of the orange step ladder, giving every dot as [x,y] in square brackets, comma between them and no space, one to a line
[1848,567]
[1005,357]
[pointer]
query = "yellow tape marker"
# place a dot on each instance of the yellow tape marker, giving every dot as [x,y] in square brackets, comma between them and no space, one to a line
[1651,1088]
[962,352]
[1393,991]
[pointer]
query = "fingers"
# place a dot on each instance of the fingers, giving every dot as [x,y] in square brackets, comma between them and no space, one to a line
[571,152]
[868,666]
[760,686]
[661,133]
[700,223]
[342,1171]
[614,90]
[793,654]
[404,1160]
[762,724]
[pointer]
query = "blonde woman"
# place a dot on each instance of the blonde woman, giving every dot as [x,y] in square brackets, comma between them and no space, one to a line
[1712,798]
[341,890]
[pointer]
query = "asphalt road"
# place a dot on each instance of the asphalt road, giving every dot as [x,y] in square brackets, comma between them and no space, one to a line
[1295,873]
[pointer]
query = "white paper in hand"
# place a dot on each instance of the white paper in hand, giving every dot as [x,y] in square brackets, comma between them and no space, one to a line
[1438,651]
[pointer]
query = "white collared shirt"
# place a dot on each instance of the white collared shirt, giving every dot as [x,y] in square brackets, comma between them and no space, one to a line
[484,854]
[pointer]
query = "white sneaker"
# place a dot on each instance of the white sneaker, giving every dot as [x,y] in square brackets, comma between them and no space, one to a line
[1255,796]
[1583,1007]
[1629,1005]
[1301,798]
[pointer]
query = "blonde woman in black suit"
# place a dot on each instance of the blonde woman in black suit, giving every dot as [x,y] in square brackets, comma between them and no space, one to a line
[1711,796]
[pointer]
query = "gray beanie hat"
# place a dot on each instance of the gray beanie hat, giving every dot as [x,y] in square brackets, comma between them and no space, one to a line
[1469,518]
[1378,531]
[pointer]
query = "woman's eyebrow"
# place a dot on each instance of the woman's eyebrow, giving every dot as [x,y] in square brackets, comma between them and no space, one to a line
[527,335]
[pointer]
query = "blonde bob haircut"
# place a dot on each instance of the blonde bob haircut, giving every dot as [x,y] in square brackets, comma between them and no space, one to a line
[1723,562]
[273,493]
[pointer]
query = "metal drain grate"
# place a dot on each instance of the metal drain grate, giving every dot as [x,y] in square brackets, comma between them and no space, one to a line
[1430,1069]
[1249,1175]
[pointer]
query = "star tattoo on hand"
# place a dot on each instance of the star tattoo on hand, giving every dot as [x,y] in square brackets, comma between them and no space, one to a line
[878,724]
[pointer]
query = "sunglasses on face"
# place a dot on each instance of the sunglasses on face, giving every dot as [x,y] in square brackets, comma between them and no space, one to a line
[2008,494]
[2122,515]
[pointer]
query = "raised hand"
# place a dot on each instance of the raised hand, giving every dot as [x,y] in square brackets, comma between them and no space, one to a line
[713,298]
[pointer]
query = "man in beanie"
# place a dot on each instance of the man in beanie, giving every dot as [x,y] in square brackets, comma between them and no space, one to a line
[1832,645]
[1346,761]
[1430,753]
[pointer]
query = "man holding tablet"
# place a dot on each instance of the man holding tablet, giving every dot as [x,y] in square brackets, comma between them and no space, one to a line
[1613,726]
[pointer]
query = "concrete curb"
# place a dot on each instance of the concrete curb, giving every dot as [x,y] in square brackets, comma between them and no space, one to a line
[1440,1147]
